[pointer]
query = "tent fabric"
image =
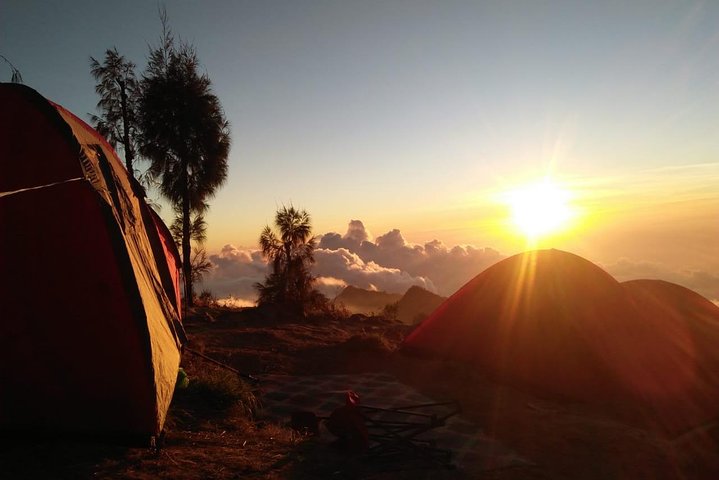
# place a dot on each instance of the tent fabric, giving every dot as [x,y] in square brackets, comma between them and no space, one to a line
[687,393]
[90,330]
[172,256]
[552,322]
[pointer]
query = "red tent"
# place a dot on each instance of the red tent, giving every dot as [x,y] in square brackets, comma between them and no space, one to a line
[553,322]
[687,386]
[90,331]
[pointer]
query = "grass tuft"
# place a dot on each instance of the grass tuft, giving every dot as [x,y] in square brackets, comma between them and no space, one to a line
[220,390]
[368,342]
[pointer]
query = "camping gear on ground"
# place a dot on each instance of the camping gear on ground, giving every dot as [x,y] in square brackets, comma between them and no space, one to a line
[396,432]
[316,396]
[348,424]
[90,331]
[388,436]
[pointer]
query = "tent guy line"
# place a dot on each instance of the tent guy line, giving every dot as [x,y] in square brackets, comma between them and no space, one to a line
[13,192]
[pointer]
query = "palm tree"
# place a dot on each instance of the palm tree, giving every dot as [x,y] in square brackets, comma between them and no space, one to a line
[291,254]
[119,91]
[198,227]
[185,136]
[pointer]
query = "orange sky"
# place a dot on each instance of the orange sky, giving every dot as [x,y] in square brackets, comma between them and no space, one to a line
[668,215]
[416,115]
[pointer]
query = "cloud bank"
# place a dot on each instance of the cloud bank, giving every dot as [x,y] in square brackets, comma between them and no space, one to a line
[389,263]
[234,273]
[443,269]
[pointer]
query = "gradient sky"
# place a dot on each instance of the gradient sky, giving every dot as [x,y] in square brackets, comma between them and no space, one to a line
[417,114]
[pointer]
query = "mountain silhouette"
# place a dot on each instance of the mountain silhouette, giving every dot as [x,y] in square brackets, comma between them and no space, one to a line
[359,300]
[416,304]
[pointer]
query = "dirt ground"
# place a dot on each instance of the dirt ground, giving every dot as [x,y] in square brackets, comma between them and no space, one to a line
[561,439]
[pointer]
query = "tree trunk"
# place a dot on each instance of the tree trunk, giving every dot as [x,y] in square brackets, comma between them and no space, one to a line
[129,153]
[288,272]
[186,246]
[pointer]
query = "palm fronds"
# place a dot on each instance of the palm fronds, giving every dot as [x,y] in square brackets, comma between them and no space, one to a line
[290,254]
[185,136]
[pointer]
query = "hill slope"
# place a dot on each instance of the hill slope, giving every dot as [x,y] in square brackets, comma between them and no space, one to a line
[359,300]
[416,305]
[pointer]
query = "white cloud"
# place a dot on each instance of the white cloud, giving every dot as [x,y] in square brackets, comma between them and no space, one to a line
[356,232]
[234,273]
[391,240]
[330,286]
[350,268]
[447,268]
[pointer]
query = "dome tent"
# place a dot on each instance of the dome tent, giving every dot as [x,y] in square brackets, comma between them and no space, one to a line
[688,392]
[552,322]
[90,331]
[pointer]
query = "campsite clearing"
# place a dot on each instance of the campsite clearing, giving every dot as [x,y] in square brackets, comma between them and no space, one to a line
[206,439]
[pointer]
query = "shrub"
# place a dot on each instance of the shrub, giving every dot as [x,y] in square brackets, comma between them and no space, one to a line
[221,390]
[391,312]
[319,304]
[206,299]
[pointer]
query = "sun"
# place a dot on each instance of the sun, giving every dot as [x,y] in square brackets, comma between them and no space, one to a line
[540,209]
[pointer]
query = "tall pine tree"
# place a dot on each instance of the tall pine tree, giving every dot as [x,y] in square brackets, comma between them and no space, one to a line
[119,92]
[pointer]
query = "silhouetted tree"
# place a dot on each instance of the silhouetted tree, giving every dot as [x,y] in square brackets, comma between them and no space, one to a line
[291,254]
[198,226]
[119,91]
[201,265]
[184,134]
[198,234]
